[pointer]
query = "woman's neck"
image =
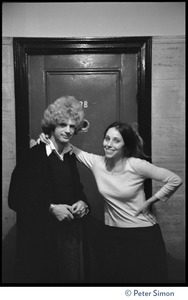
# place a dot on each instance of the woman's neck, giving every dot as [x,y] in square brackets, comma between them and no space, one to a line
[115,165]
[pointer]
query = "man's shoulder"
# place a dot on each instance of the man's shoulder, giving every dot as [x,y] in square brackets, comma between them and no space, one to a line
[38,151]
[34,153]
[37,148]
[71,157]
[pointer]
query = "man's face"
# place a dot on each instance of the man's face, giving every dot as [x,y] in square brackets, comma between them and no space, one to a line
[63,132]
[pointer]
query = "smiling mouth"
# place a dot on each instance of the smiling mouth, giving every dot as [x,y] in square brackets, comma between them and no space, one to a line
[109,150]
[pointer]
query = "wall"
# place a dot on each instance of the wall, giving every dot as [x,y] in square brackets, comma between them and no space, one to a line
[93,19]
[9,158]
[168,140]
[163,21]
[8,129]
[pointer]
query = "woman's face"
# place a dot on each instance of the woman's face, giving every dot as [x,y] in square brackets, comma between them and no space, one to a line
[113,144]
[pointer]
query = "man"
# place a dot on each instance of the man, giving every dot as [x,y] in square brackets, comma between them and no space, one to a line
[46,193]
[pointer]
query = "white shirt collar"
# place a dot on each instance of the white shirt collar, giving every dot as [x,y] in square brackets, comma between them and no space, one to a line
[51,148]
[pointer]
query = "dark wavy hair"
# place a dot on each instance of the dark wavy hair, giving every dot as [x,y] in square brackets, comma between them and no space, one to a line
[133,142]
[60,111]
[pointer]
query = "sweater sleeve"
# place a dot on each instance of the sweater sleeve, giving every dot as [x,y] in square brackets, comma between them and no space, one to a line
[171,181]
[78,187]
[84,157]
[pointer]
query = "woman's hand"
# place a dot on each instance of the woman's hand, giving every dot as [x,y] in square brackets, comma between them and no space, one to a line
[147,206]
[144,209]
[44,138]
[32,143]
[80,209]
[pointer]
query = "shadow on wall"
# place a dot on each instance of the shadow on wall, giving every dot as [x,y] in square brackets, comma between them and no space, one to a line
[9,257]
[176,270]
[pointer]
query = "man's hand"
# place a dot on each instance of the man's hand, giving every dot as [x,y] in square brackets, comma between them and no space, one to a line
[80,209]
[62,212]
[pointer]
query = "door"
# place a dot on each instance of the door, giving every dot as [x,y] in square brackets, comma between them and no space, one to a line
[110,76]
[112,79]
[106,85]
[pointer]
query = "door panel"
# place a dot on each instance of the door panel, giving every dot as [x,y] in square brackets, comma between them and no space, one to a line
[106,85]
[82,61]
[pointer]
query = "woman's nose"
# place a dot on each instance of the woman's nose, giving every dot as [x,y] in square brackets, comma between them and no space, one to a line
[109,143]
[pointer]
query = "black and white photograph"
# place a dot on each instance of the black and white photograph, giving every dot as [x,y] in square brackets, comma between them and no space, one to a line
[93,148]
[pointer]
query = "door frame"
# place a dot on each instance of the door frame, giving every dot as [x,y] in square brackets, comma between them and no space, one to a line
[23,47]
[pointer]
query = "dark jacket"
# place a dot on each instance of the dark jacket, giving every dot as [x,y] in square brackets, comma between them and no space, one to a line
[30,194]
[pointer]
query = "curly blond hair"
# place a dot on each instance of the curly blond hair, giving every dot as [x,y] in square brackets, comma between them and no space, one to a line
[64,108]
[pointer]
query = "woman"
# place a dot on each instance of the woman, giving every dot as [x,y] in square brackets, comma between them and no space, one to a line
[134,247]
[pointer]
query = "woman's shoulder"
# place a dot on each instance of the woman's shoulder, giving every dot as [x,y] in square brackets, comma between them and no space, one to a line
[136,160]
[137,163]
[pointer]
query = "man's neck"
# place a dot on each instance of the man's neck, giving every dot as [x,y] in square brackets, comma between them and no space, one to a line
[59,146]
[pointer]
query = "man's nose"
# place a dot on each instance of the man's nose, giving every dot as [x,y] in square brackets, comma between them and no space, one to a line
[67,128]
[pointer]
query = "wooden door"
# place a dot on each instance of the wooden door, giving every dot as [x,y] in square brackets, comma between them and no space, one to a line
[106,85]
[112,78]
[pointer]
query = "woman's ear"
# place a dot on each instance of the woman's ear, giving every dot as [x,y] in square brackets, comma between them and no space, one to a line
[134,126]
